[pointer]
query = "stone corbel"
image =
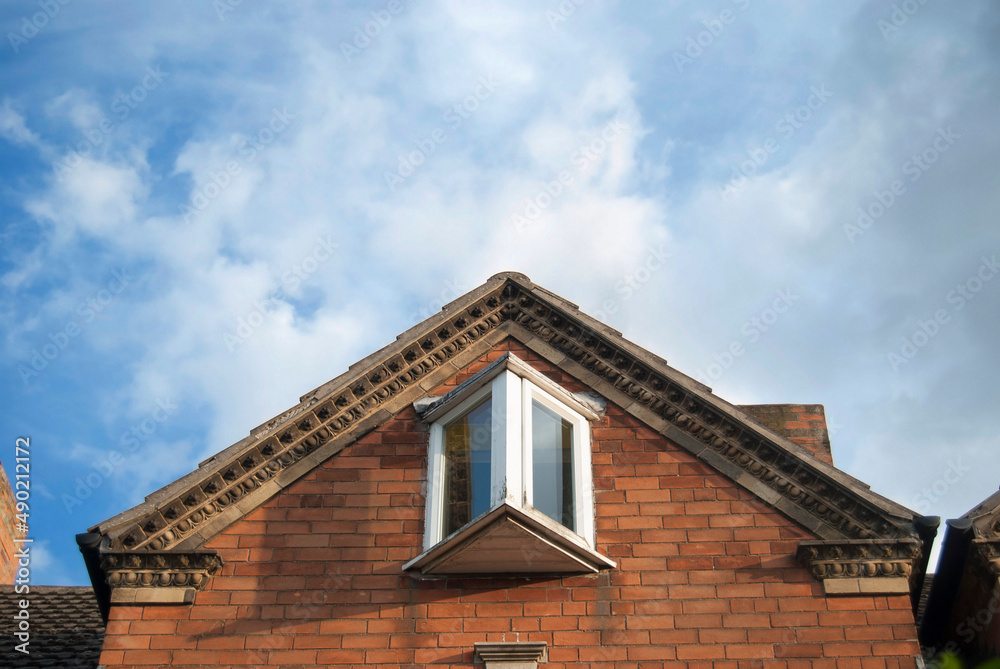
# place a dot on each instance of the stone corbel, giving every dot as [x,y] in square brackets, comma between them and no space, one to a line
[158,577]
[987,555]
[862,567]
[512,654]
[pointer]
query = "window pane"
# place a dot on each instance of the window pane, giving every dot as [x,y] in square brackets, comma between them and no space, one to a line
[467,444]
[552,459]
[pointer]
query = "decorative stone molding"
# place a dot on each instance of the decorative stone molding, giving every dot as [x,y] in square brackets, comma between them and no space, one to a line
[288,442]
[337,413]
[870,560]
[986,555]
[129,596]
[832,503]
[512,654]
[867,586]
[138,570]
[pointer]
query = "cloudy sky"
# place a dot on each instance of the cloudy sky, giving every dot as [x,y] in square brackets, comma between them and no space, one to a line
[210,208]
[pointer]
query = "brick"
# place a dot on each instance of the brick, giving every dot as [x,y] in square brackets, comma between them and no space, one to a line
[772,636]
[799,650]
[849,649]
[624,638]
[722,636]
[688,563]
[151,658]
[897,648]
[869,633]
[671,636]
[698,621]
[798,619]
[700,652]
[221,643]
[340,657]
[889,617]
[740,651]
[705,606]
[779,590]
[653,653]
[741,590]
[746,620]
[657,607]
[152,627]
[842,618]
[702,577]
[859,603]
[692,591]
[136,641]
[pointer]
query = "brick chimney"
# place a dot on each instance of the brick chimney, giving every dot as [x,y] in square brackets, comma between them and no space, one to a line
[805,424]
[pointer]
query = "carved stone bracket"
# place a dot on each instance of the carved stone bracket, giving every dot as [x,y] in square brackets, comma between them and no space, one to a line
[512,654]
[893,558]
[986,554]
[160,569]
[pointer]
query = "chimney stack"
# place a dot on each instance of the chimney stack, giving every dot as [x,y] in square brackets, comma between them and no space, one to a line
[805,424]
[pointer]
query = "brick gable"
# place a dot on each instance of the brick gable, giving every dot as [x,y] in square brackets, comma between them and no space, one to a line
[707,574]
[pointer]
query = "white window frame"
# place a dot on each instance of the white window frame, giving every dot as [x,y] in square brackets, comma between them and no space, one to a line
[513,386]
[582,474]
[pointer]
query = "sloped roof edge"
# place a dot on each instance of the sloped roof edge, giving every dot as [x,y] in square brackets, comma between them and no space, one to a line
[185,514]
[985,516]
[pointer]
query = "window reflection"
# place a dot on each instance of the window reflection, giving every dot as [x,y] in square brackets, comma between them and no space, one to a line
[552,462]
[467,445]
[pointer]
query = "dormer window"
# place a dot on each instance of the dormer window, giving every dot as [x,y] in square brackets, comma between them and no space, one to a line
[509,446]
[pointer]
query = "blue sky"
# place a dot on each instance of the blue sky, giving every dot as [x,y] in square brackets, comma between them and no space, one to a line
[208,209]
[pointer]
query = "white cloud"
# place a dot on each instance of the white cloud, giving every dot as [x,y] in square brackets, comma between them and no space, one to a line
[13,127]
[78,107]
[91,197]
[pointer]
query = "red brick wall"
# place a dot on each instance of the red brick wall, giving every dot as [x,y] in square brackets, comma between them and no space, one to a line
[8,531]
[706,577]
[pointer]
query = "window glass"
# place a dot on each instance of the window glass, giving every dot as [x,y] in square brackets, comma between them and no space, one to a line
[467,445]
[552,461]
